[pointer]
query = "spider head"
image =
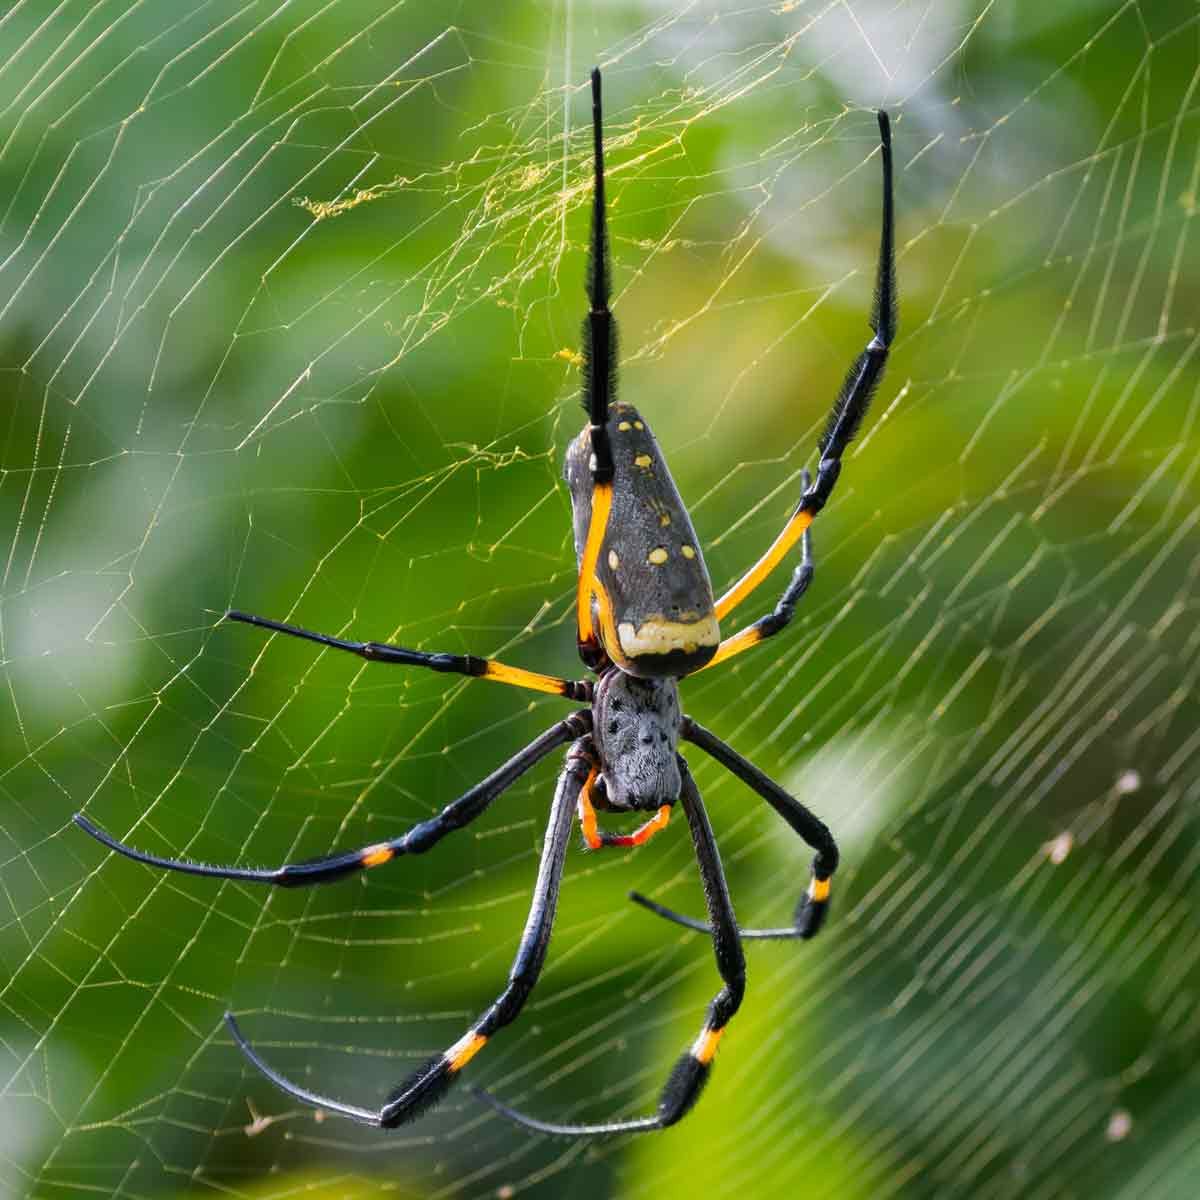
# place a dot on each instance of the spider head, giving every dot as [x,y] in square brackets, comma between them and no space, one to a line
[636,731]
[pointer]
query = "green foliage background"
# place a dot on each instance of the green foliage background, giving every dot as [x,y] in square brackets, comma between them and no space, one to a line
[220,393]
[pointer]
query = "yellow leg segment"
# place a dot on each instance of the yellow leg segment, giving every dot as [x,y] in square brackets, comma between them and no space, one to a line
[792,532]
[532,680]
[602,494]
[750,636]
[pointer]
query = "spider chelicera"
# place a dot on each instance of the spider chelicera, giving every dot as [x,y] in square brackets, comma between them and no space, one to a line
[646,618]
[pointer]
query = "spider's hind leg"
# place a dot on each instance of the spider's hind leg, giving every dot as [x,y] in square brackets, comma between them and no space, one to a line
[426,1087]
[691,1070]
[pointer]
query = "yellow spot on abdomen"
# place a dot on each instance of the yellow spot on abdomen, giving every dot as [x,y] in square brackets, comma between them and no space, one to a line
[638,425]
[688,552]
[624,427]
[664,519]
[613,561]
[642,460]
[657,556]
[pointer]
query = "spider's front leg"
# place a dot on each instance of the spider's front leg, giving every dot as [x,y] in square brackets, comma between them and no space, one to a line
[691,1070]
[814,903]
[848,412]
[427,1086]
[599,381]
[454,664]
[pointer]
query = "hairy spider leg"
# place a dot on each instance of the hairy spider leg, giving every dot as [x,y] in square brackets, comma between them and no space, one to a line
[421,837]
[814,903]
[691,1070]
[457,664]
[599,388]
[429,1084]
[600,327]
[844,421]
[596,838]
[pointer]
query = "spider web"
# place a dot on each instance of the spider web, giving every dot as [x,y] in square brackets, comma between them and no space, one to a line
[289,307]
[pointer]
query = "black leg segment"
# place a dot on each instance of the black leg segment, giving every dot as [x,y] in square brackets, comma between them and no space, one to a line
[599,327]
[691,1070]
[455,664]
[417,840]
[864,376]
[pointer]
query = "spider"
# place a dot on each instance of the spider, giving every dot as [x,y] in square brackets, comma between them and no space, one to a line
[646,618]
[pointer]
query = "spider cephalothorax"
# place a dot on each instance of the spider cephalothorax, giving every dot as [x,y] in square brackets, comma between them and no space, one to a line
[636,725]
[645,617]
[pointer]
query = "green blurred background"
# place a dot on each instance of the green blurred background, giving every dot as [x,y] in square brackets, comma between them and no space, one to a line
[289,295]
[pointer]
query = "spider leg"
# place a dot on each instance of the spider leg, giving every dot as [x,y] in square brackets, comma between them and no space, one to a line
[783,932]
[421,837]
[458,664]
[848,411]
[599,384]
[814,904]
[784,610]
[691,1070]
[426,1086]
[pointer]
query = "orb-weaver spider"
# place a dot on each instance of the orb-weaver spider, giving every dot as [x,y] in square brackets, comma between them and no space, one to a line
[646,618]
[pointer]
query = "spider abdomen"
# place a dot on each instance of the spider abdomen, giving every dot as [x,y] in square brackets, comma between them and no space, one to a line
[660,619]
